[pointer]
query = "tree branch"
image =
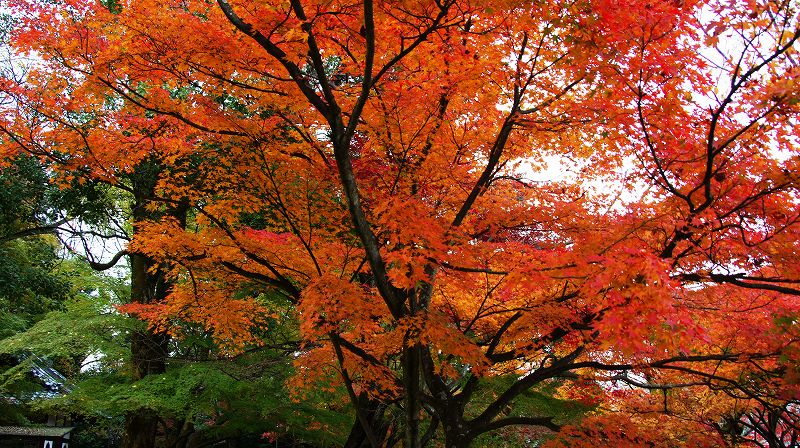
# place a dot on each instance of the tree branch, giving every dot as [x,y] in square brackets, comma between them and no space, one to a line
[108,265]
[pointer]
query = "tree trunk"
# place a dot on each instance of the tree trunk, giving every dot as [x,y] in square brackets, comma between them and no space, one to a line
[148,353]
[140,430]
[456,431]
[148,285]
[411,371]
[381,427]
[455,439]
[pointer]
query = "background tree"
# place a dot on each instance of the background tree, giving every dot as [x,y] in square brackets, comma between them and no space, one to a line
[32,283]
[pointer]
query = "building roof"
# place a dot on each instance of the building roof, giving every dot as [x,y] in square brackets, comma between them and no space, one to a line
[53,383]
[41,431]
[52,378]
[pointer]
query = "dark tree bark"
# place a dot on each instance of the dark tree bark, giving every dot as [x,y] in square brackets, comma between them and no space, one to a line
[148,285]
[374,412]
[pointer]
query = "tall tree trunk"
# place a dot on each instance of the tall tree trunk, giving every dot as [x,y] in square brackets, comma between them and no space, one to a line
[456,440]
[412,402]
[148,353]
[148,285]
[456,432]
[373,411]
[140,430]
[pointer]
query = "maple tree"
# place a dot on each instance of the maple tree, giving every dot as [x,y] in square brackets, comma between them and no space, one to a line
[379,167]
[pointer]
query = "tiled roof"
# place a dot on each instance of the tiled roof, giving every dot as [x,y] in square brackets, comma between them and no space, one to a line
[52,378]
[42,431]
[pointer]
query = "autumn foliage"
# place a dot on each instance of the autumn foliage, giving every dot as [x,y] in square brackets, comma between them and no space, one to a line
[597,197]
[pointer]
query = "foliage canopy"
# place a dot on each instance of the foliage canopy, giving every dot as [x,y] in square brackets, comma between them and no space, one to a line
[377,172]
